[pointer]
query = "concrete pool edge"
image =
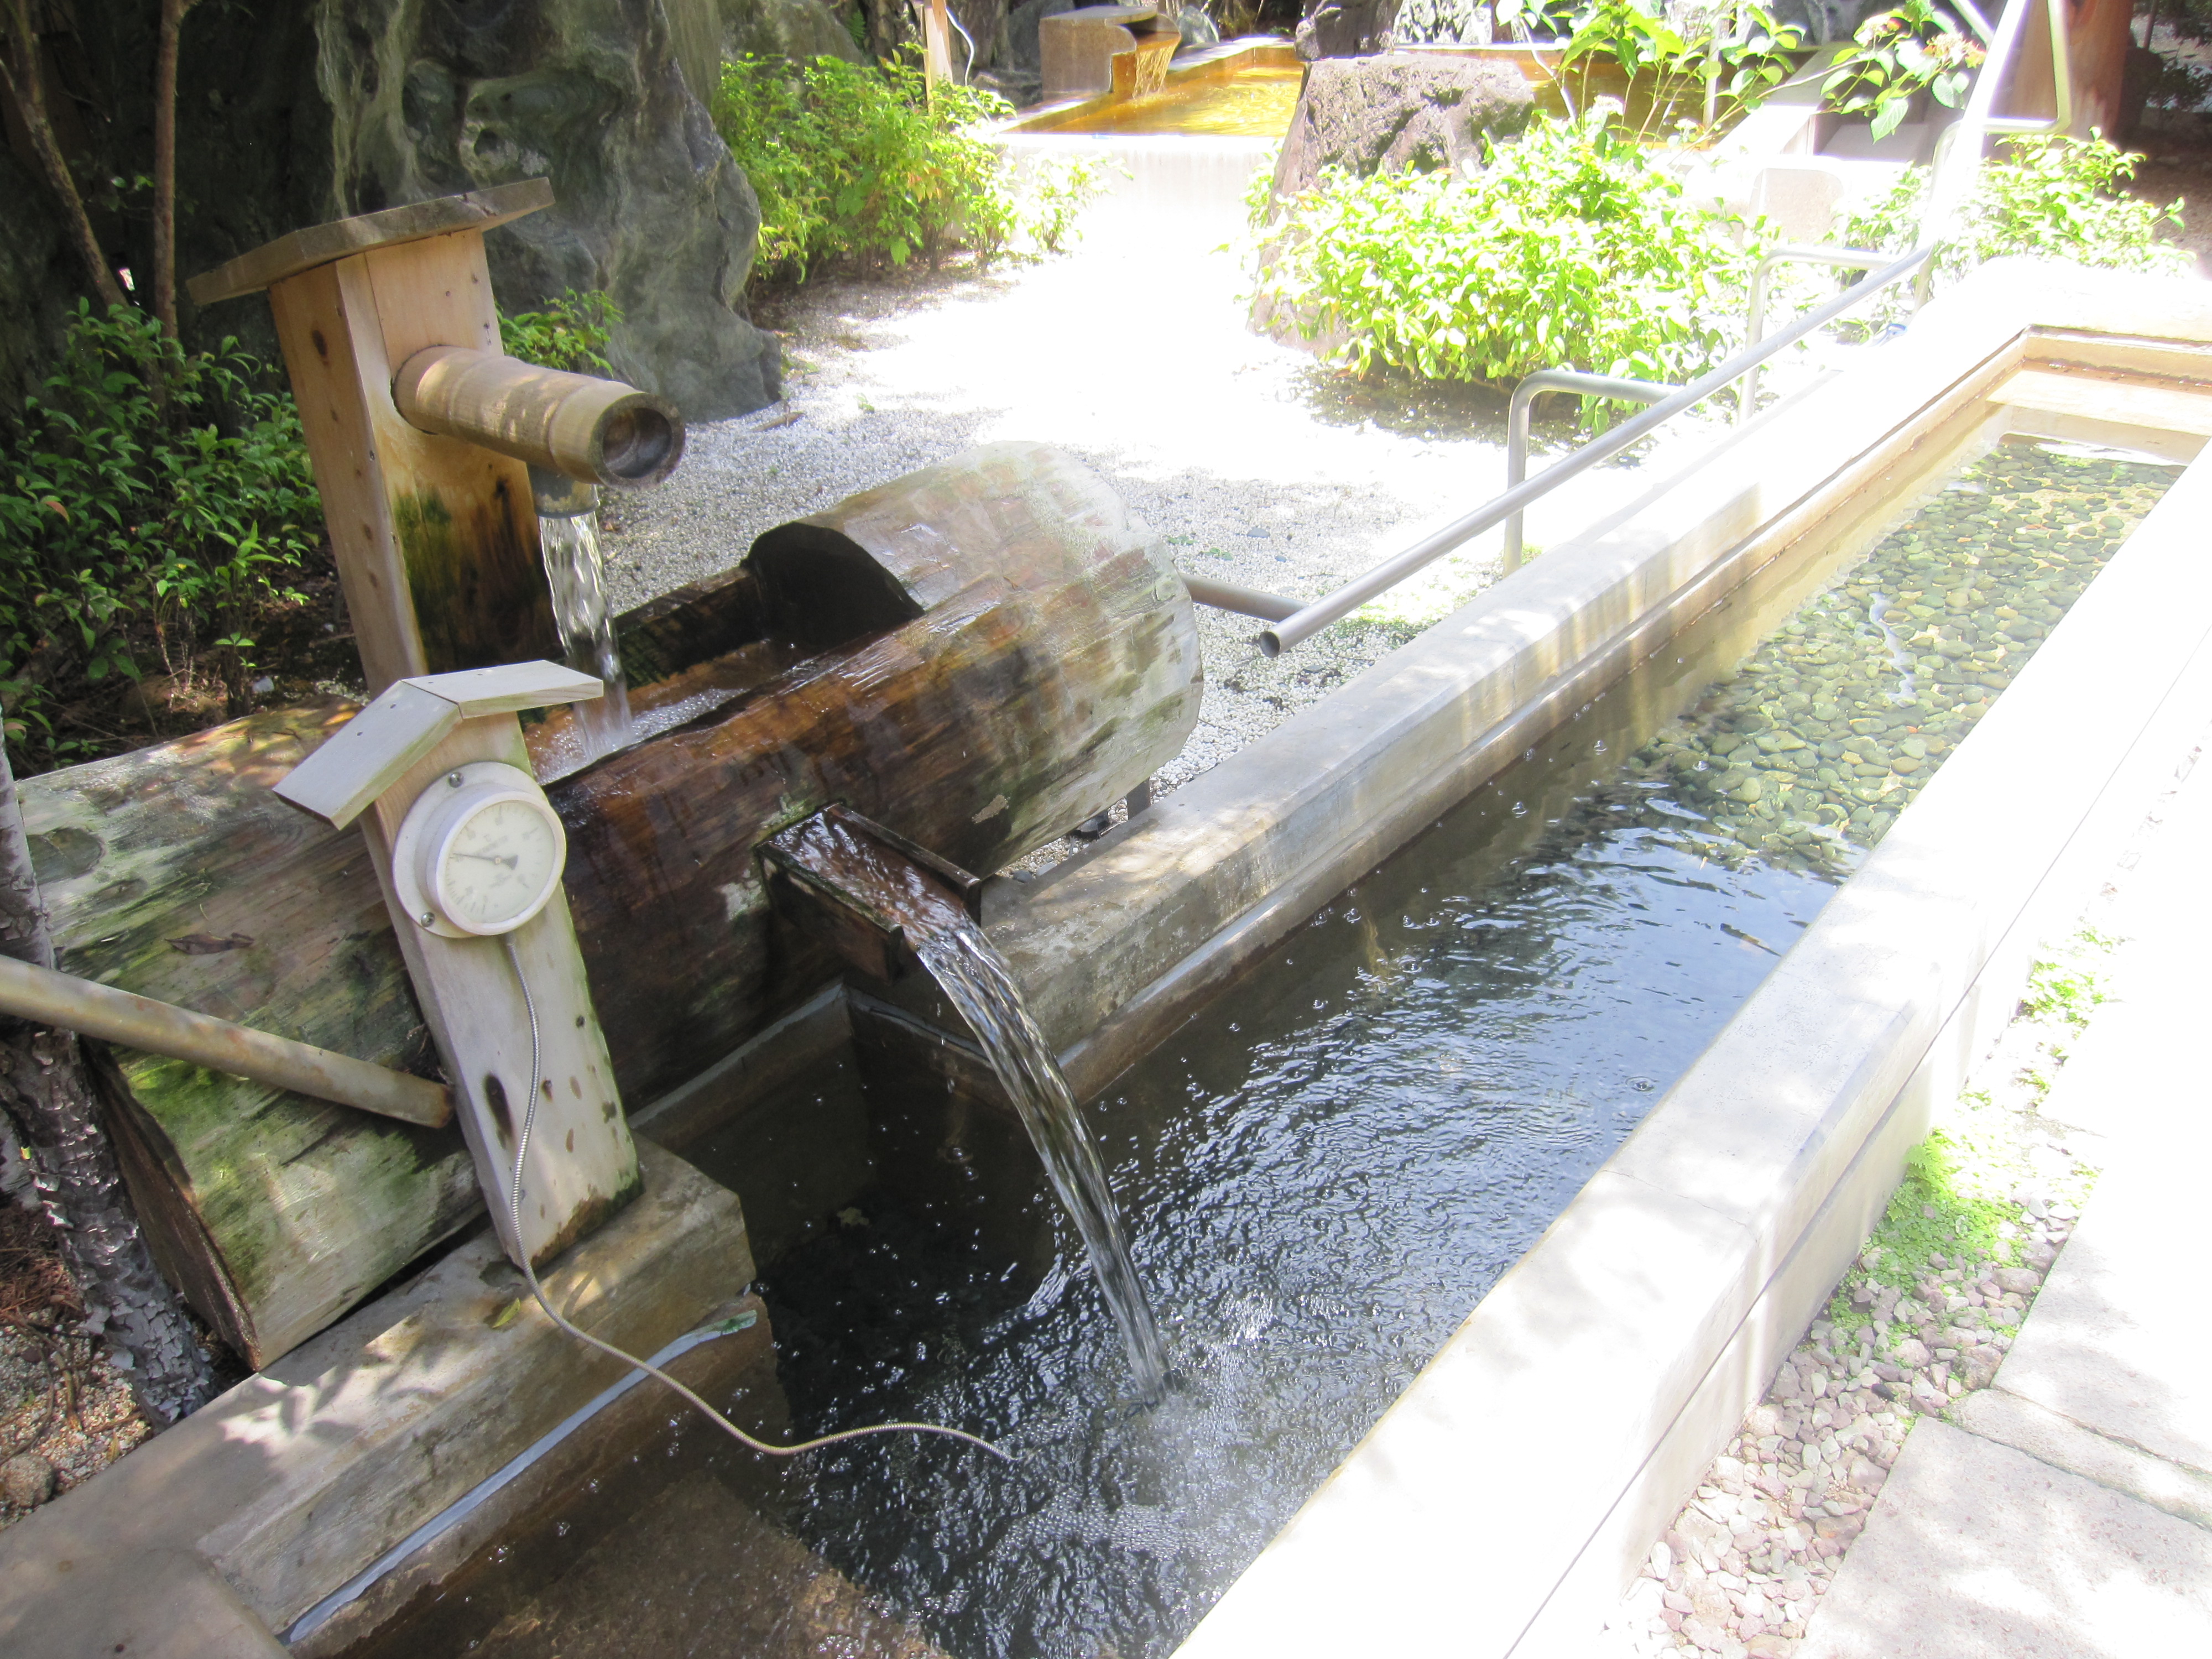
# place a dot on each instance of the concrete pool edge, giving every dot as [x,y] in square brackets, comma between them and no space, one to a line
[1504,1499]
[1114,946]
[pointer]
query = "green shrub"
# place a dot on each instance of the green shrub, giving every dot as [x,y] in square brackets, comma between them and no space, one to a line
[154,504]
[852,162]
[1575,247]
[1685,68]
[571,333]
[1897,53]
[1055,196]
[2051,196]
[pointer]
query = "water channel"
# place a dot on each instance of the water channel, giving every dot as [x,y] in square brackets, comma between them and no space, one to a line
[1325,1170]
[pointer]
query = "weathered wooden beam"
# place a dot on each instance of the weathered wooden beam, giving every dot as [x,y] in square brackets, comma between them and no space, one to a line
[320,245]
[993,714]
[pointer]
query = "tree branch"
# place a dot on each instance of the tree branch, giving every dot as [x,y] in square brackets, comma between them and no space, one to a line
[165,162]
[26,84]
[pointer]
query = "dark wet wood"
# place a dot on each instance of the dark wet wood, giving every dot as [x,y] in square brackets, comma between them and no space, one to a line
[830,875]
[1062,673]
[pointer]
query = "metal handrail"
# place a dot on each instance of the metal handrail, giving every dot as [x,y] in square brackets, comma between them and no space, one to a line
[1846,258]
[1245,601]
[1312,618]
[1950,182]
[1947,195]
[1518,415]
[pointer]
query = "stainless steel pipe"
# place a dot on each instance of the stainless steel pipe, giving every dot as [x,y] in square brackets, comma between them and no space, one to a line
[1843,259]
[1392,571]
[600,431]
[41,994]
[1519,413]
[1245,601]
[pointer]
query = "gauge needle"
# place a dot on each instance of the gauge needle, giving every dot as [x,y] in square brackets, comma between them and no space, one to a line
[510,861]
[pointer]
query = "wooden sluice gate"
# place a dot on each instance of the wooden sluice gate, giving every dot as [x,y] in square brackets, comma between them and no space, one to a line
[980,655]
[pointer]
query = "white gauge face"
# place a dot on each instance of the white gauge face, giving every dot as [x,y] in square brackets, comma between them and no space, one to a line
[480,852]
[497,865]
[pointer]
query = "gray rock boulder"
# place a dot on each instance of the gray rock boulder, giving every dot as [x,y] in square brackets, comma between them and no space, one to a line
[1370,115]
[1442,22]
[1198,30]
[785,28]
[592,94]
[1023,50]
[1345,28]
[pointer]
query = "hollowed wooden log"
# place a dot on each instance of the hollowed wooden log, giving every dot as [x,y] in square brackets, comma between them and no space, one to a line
[1011,653]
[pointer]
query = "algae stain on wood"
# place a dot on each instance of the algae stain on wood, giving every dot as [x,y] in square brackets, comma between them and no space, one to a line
[476,579]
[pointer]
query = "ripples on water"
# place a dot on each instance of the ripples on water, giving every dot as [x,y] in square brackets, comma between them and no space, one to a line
[1326,1171]
[1323,1174]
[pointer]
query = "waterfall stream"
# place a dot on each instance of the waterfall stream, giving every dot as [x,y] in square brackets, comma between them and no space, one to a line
[962,960]
[570,543]
[878,882]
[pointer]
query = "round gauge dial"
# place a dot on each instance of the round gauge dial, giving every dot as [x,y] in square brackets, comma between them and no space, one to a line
[480,853]
[497,865]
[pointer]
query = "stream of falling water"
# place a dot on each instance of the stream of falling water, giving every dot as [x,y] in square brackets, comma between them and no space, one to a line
[959,956]
[962,960]
[572,570]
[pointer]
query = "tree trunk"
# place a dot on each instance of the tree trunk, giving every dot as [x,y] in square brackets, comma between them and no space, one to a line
[165,163]
[22,72]
[47,1088]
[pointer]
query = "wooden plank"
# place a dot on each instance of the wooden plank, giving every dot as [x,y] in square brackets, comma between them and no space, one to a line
[582,1164]
[320,245]
[463,517]
[326,321]
[511,687]
[377,747]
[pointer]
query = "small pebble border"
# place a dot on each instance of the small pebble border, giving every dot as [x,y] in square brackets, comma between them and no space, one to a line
[1923,1317]
[64,1414]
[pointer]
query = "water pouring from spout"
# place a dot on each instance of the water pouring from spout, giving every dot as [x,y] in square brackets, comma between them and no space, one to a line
[568,538]
[871,898]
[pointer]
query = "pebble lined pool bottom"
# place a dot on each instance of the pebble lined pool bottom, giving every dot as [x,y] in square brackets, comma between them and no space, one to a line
[1810,750]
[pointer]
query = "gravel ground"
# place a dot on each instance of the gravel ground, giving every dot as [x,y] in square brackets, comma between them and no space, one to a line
[1260,468]
[1923,1317]
[64,1414]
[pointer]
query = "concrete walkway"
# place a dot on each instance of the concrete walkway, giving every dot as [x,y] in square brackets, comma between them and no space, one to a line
[2067,1510]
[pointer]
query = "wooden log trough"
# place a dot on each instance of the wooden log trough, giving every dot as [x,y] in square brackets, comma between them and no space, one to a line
[979,655]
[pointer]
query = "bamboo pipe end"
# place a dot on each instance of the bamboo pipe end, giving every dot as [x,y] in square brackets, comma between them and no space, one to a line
[599,431]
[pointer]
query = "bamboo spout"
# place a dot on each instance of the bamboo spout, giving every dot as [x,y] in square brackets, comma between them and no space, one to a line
[601,431]
[30,992]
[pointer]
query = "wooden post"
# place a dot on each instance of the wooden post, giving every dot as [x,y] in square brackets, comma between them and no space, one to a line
[2098,33]
[936,45]
[436,540]
[400,750]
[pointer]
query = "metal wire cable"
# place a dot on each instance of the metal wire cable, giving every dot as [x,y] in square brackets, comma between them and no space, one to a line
[530,1273]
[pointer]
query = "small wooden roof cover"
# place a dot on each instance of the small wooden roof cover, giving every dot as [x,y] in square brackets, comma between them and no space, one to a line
[318,245]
